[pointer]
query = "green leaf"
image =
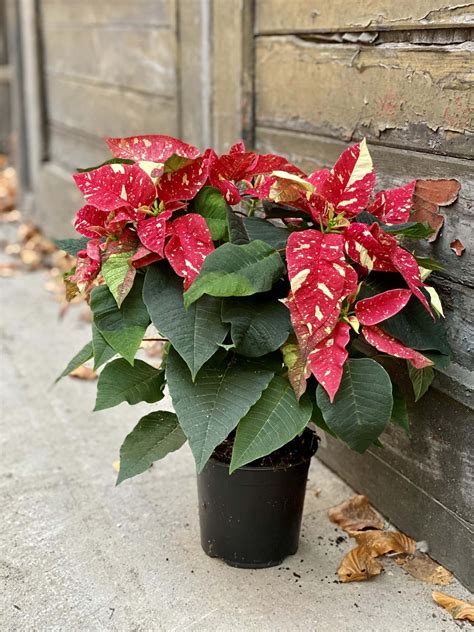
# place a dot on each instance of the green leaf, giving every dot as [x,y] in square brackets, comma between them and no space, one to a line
[111,161]
[210,203]
[399,410]
[420,379]
[195,333]
[72,246]
[362,406]
[275,419]
[259,324]
[318,419]
[155,436]
[415,230]
[429,263]
[123,328]
[81,356]
[119,275]
[212,406]
[258,228]
[103,352]
[232,270]
[440,361]
[120,382]
[236,227]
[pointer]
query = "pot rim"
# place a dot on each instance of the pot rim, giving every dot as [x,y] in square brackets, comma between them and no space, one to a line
[261,468]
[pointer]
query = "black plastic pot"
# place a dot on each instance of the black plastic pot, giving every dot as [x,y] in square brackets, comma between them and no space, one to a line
[252,518]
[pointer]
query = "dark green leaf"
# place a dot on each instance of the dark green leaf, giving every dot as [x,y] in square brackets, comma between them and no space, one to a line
[273,421]
[440,361]
[81,356]
[72,246]
[258,228]
[195,333]
[274,210]
[232,270]
[428,263]
[155,436]
[103,352]
[111,161]
[236,227]
[120,382]
[421,379]
[362,406]
[318,419]
[259,324]
[399,410]
[119,275]
[212,406]
[123,328]
[415,230]
[210,203]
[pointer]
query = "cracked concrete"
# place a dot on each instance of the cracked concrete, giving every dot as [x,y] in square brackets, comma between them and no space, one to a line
[78,554]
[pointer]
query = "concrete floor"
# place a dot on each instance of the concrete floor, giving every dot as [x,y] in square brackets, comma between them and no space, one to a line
[78,554]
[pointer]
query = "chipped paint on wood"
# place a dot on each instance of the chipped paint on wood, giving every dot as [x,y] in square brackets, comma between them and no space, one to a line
[303,16]
[403,95]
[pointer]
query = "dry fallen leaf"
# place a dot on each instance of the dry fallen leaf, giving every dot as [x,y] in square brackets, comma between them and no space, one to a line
[458,608]
[429,195]
[83,373]
[383,542]
[358,565]
[355,515]
[458,247]
[422,567]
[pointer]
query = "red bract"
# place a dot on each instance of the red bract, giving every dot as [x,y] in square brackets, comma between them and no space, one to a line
[114,186]
[387,344]
[144,257]
[229,168]
[394,205]
[152,232]
[185,183]
[154,148]
[319,278]
[327,358]
[375,309]
[188,246]
[88,264]
[350,183]
[375,250]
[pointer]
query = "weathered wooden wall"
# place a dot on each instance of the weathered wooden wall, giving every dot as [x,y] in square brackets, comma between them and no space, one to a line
[400,74]
[5,75]
[303,78]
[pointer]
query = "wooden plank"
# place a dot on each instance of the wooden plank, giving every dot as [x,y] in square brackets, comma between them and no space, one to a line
[309,16]
[106,111]
[401,95]
[72,148]
[194,71]
[55,212]
[231,72]
[154,13]
[137,58]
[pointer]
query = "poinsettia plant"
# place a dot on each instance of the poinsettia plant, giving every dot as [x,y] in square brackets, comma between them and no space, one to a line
[280,295]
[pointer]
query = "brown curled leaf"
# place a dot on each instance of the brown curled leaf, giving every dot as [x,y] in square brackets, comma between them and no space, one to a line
[458,608]
[457,247]
[83,373]
[422,567]
[355,515]
[358,565]
[428,196]
[383,542]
